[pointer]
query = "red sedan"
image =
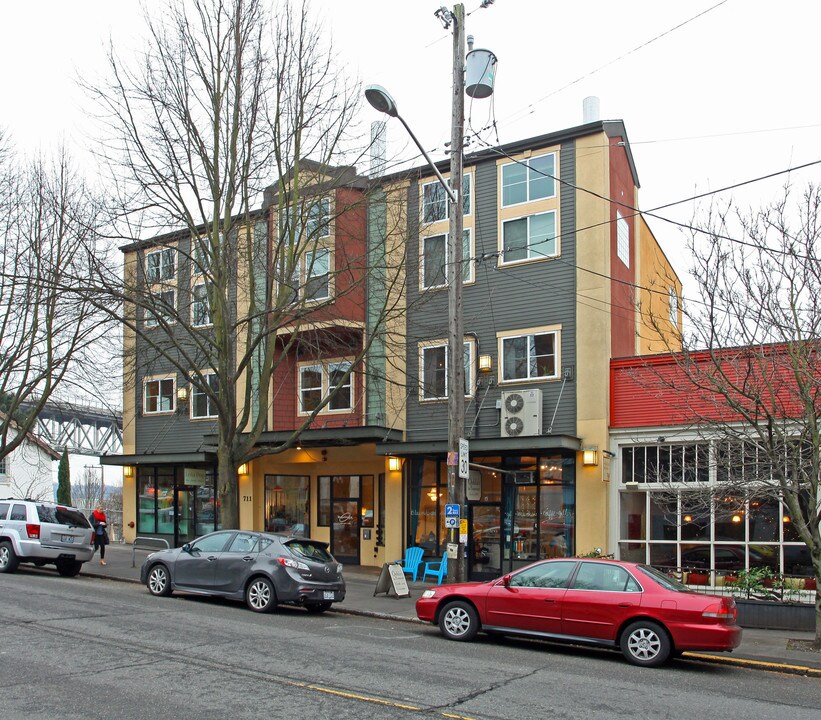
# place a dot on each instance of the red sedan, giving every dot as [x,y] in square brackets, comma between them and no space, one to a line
[636,608]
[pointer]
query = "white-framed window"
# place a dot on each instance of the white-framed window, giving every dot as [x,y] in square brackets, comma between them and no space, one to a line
[529,238]
[200,307]
[203,406]
[317,380]
[528,180]
[435,259]
[672,296]
[530,356]
[163,308]
[622,239]
[201,254]
[317,273]
[160,265]
[318,221]
[159,395]
[433,362]
[435,203]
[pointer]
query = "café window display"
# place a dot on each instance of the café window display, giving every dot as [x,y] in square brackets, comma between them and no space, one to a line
[287,503]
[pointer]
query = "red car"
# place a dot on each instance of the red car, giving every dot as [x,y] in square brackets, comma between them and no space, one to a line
[636,608]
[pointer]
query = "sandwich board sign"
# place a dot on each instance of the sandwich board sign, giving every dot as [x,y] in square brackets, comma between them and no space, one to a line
[392,577]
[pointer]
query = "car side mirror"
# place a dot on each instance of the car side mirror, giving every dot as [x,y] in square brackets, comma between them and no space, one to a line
[506,581]
[186,547]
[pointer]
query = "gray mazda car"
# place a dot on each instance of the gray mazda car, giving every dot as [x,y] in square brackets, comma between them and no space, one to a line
[263,569]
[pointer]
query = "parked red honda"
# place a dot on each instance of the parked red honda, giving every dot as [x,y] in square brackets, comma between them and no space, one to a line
[636,608]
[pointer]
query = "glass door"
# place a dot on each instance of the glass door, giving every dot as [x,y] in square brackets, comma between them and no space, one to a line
[485,541]
[345,530]
[185,525]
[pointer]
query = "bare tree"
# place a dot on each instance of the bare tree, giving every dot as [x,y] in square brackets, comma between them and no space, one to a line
[227,100]
[51,332]
[752,376]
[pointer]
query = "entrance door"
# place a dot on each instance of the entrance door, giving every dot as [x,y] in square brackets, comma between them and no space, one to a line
[345,530]
[185,516]
[485,541]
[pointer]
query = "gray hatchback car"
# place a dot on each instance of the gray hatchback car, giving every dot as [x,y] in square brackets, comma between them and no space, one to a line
[263,569]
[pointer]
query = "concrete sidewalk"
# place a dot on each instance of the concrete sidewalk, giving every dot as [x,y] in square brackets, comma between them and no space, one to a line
[777,650]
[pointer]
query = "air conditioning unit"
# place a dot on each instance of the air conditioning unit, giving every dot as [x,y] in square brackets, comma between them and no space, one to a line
[521,413]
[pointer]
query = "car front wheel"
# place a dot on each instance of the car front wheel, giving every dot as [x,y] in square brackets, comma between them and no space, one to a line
[459,621]
[8,560]
[260,596]
[645,643]
[159,581]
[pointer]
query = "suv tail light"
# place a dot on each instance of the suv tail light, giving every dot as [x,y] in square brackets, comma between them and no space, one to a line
[33,531]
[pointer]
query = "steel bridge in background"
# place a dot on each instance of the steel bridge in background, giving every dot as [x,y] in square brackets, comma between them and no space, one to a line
[80,429]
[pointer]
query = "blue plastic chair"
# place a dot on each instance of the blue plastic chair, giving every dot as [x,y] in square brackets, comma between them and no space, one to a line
[437,569]
[411,562]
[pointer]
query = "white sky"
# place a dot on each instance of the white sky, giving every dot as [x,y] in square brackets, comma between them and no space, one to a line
[725,98]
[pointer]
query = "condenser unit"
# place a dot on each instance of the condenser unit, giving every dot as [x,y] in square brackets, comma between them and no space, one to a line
[521,412]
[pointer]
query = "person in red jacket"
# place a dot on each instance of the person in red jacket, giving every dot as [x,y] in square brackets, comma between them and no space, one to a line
[99,523]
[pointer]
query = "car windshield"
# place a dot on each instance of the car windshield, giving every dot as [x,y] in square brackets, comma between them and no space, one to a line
[664,580]
[310,550]
[62,516]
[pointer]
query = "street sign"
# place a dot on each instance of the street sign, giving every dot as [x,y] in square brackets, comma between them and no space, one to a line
[451,522]
[464,459]
[452,510]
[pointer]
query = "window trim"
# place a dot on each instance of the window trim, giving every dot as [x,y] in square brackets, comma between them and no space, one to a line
[206,374]
[555,330]
[149,379]
[527,161]
[530,258]
[468,261]
[470,370]
[324,367]
[160,252]
[152,319]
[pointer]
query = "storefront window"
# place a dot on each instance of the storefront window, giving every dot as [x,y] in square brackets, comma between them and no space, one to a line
[634,516]
[765,519]
[428,493]
[146,501]
[287,503]
[695,517]
[367,501]
[729,518]
[663,517]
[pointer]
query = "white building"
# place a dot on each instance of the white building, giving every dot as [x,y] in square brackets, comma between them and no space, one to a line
[28,470]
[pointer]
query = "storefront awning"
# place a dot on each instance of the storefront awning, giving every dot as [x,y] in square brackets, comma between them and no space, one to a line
[320,437]
[160,459]
[490,446]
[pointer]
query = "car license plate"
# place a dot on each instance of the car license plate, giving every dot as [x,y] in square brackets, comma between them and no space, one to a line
[67,538]
[328,595]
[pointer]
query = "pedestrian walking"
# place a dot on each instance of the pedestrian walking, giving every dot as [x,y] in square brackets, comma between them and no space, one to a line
[99,523]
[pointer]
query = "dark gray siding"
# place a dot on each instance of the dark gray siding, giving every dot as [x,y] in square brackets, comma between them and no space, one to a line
[501,299]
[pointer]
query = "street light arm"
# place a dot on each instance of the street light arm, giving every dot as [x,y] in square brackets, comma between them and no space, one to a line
[444,183]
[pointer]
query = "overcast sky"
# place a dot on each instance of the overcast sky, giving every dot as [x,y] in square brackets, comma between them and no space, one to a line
[712,93]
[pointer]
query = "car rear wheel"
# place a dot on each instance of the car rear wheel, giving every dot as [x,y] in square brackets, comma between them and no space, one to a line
[459,621]
[645,643]
[8,560]
[317,608]
[159,581]
[260,596]
[69,568]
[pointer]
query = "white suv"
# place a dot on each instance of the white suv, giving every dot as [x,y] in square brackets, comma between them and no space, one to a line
[38,532]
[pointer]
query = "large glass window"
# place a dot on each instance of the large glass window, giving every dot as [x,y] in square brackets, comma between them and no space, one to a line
[162,308]
[528,180]
[160,265]
[622,239]
[527,357]
[317,275]
[200,307]
[435,371]
[287,504]
[155,500]
[529,238]
[317,381]
[319,219]
[435,260]
[436,204]
[346,487]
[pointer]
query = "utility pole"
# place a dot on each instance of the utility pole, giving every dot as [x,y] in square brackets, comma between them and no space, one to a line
[457,572]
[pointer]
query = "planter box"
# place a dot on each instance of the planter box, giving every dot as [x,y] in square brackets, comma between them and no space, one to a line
[776,615]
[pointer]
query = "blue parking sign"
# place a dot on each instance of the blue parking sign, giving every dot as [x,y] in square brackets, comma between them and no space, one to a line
[452,510]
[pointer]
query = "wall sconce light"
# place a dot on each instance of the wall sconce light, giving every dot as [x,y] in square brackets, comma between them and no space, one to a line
[182,394]
[433,495]
[485,363]
[590,455]
[242,469]
[128,471]
[394,464]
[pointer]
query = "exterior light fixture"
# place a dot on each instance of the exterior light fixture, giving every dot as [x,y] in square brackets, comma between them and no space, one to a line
[128,471]
[182,394]
[590,456]
[242,469]
[485,363]
[394,464]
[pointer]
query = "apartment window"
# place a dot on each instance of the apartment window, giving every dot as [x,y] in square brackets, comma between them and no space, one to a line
[163,308]
[622,239]
[673,302]
[529,357]
[317,274]
[158,395]
[200,307]
[435,260]
[434,360]
[317,381]
[435,202]
[160,265]
[202,405]
[3,470]
[529,180]
[318,223]
[529,238]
